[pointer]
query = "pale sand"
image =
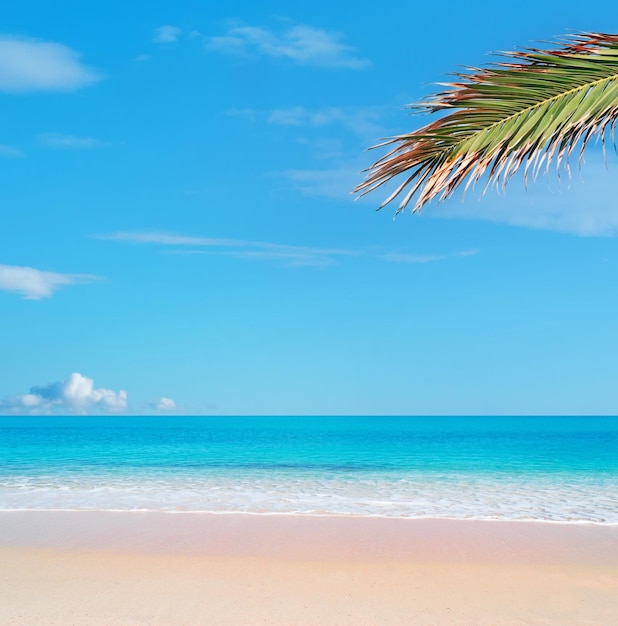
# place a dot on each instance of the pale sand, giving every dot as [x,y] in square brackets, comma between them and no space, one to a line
[94,568]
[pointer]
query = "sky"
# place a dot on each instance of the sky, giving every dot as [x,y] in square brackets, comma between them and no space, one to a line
[178,233]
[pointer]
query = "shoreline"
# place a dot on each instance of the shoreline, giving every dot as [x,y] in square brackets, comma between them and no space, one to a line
[343,535]
[303,514]
[98,568]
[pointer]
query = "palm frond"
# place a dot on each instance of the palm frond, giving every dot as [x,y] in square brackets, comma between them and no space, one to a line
[534,108]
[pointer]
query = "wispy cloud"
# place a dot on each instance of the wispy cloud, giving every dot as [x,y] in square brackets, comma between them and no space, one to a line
[289,255]
[468,252]
[10,152]
[170,239]
[366,122]
[337,157]
[585,205]
[299,256]
[335,182]
[298,43]
[28,65]
[77,394]
[292,258]
[396,257]
[290,116]
[35,284]
[71,142]
[399,257]
[328,149]
[259,250]
[248,114]
[166,34]
[338,168]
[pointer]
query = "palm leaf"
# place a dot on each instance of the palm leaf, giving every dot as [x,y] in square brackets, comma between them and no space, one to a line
[532,109]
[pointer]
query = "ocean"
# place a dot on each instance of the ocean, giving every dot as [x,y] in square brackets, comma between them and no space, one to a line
[553,469]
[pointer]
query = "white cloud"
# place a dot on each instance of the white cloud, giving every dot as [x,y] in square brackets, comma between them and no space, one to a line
[58,140]
[365,122]
[336,183]
[28,65]
[75,395]
[166,34]
[165,404]
[36,284]
[303,44]
[9,151]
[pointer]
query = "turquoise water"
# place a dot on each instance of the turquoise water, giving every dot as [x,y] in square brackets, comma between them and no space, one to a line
[553,469]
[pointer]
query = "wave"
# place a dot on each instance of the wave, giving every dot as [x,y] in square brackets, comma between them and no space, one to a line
[551,498]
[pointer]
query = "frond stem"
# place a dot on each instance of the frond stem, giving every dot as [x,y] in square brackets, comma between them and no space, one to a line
[452,148]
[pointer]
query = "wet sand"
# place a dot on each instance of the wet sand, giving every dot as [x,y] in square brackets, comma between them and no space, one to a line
[155,568]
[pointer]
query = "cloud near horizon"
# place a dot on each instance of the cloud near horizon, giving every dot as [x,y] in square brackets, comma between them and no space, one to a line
[302,44]
[28,65]
[164,404]
[76,395]
[35,284]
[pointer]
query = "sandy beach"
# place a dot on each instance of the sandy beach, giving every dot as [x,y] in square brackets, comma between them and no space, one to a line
[156,568]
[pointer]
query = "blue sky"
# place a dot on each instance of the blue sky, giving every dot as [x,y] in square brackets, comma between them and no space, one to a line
[178,233]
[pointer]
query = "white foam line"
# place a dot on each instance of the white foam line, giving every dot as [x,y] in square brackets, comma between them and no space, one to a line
[337,515]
